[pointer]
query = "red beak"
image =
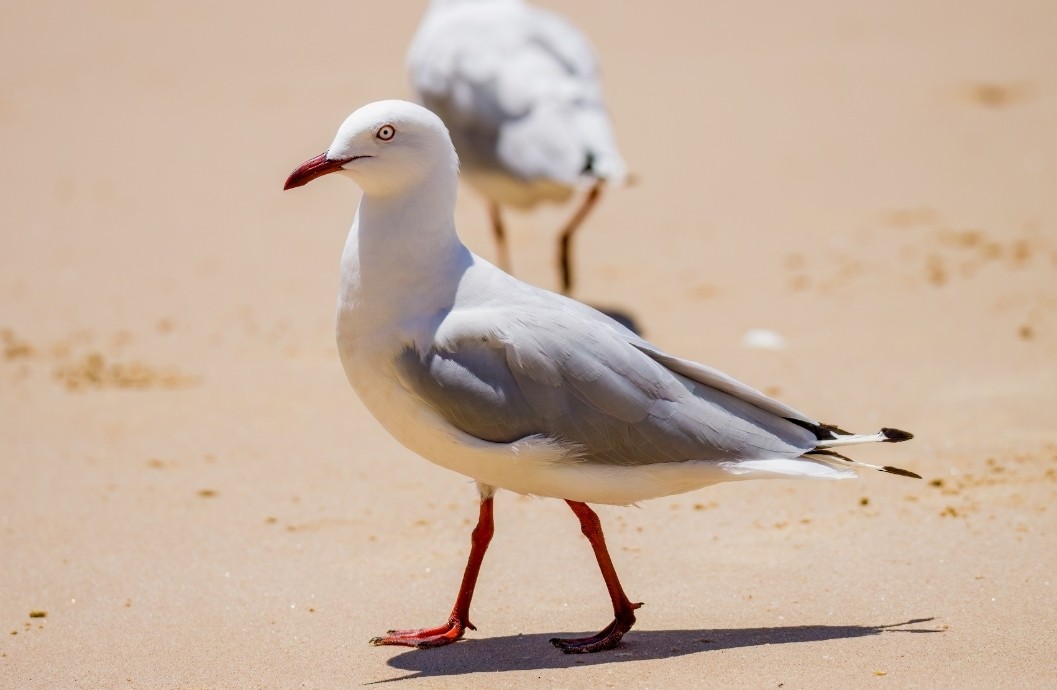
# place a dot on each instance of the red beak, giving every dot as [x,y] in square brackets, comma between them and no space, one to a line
[311,169]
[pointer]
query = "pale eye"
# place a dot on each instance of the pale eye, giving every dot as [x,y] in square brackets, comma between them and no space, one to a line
[385,132]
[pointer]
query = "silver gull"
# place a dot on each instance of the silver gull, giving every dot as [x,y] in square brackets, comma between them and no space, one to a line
[519,90]
[524,389]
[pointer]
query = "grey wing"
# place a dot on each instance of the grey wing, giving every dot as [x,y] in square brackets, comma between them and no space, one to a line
[714,378]
[696,372]
[505,377]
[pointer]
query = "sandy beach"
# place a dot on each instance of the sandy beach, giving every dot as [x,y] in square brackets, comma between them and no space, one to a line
[192,496]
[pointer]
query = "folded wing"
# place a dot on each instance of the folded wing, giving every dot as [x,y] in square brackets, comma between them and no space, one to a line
[502,376]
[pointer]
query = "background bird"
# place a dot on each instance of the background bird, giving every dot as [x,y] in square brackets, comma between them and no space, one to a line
[521,388]
[518,88]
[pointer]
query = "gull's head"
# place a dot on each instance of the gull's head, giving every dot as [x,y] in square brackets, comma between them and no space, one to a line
[387,147]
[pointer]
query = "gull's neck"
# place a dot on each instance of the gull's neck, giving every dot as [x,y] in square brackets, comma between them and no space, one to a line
[403,259]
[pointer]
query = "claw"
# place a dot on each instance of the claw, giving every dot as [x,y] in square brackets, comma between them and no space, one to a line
[608,638]
[423,638]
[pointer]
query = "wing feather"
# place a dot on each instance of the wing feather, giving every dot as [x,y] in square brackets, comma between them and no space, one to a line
[502,376]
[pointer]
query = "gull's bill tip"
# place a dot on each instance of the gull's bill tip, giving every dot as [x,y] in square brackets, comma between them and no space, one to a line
[311,169]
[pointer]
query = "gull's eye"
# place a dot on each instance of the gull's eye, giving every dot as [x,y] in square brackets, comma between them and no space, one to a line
[385,132]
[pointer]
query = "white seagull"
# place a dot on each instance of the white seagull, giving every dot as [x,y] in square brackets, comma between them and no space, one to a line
[521,388]
[518,88]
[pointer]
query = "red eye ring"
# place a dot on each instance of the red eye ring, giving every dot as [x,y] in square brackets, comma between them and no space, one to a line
[386,132]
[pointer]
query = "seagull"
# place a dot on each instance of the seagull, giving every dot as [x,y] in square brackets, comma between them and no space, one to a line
[523,389]
[518,88]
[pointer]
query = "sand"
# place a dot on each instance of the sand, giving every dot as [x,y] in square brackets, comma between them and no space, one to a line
[191,496]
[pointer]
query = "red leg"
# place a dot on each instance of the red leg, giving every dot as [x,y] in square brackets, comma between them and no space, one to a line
[459,620]
[502,251]
[566,237]
[623,609]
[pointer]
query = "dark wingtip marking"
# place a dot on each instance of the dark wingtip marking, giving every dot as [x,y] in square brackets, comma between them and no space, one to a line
[822,432]
[900,472]
[830,453]
[896,435]
[589,164]
[834,429]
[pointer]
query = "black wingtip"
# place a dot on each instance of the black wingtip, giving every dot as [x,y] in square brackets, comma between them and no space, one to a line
[900,472]
[896,435]
[823,432]
[833,430]
[589,164]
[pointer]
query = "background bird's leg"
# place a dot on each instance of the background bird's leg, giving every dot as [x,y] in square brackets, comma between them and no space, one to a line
[566,237]
[459,619]
[623,609]
[501,248]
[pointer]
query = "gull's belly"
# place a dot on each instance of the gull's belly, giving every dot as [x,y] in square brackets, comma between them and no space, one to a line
[509,190]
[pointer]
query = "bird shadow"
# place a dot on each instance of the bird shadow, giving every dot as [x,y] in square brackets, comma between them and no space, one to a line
[622,317]
[533,652]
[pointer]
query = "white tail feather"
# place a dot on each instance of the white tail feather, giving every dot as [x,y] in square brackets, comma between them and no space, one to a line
[800,467]
[852,440]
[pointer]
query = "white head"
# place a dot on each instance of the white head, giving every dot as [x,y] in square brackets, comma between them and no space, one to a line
[387,148]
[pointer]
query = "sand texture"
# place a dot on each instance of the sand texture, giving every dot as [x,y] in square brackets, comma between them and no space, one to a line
[191,496]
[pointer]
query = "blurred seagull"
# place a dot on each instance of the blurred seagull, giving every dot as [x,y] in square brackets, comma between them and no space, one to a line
[518,88]
[521,388]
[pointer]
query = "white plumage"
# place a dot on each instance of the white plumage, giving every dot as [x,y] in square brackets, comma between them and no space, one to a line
[524,389]
[518,88]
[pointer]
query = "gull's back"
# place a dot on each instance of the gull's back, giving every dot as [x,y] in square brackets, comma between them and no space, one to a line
[518,88]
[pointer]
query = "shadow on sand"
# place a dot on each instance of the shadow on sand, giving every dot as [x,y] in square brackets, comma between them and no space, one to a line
[534,652]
